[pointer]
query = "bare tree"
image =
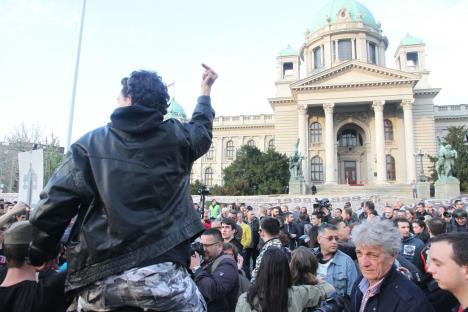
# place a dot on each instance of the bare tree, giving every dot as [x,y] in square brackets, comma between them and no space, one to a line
[24,138]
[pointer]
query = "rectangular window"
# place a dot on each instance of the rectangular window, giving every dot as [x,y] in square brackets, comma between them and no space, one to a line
[412,59]
[288,69]
[371,53]
[345,50]
[317,57]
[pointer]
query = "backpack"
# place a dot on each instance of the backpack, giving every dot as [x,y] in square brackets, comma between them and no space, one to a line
[244,283]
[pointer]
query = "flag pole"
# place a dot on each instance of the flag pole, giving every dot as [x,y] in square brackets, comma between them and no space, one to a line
[75,80]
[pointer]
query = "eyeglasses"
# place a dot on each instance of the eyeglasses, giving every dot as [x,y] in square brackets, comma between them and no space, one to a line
[330,238]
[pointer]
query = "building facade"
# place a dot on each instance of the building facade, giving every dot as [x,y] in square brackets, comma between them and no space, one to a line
[358,121]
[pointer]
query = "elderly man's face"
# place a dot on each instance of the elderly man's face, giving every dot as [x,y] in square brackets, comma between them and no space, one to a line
[374,262]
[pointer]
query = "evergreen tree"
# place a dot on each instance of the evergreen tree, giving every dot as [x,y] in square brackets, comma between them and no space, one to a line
[254,172]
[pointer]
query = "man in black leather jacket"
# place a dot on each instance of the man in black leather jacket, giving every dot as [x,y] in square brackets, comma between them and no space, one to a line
[127,183]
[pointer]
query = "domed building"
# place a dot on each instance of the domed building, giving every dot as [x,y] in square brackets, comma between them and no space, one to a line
[359,122]
[175,110]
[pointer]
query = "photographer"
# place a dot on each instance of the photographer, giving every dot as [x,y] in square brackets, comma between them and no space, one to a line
[218,286]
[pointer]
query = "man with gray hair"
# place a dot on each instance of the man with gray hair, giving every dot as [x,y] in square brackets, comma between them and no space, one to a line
[382,287]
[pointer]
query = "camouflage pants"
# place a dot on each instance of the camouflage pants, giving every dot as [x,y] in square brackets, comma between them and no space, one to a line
[159,287]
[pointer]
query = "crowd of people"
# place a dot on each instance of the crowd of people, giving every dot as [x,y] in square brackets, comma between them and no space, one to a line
[247,259]
[116,230]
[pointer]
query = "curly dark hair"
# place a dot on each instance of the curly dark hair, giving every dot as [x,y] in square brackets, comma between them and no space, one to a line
[146,88]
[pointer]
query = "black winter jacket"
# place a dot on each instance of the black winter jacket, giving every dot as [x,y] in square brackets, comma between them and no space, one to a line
[397,294]
[219,287]
[128,184]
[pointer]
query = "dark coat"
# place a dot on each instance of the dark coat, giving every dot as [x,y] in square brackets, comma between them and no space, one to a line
[397,294]
[128,184]
[411,248]
[219,288]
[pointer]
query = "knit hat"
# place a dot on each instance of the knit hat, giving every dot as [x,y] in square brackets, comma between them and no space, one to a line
[19,233]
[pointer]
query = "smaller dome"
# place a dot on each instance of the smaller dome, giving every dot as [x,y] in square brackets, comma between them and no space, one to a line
[410,40]
[175,110]
[288,51]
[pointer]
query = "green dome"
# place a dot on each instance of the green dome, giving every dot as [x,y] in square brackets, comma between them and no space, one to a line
[288,51]
[410,40]
[175,110]
[356,10]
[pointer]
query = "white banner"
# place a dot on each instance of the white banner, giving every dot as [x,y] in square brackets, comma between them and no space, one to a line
[269,201]
[31,176]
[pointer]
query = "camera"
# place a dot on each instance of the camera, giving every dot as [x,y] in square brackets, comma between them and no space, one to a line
[321,203]
[203,190]
[196,247]
[335,303]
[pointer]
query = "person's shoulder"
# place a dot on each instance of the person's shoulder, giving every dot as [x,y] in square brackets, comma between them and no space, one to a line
[343,256]
[407,290]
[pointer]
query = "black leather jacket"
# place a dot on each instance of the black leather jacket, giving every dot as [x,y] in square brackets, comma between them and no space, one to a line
[128,184]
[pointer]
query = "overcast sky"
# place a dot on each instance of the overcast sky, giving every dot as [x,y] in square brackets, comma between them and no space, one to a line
[239,39]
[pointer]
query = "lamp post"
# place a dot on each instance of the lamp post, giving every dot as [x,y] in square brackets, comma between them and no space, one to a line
[420,155]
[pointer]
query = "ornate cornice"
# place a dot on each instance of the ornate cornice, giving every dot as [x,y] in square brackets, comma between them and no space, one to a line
[243,126]
[399,77]
[432,91]
[283,100]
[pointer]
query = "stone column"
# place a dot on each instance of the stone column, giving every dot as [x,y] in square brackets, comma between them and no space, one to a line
[378,107]
[302,124]
[330,152]
[337,57]
[407,105]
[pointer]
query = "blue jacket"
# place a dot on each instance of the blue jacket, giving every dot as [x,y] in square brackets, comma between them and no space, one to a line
[341,272]
[411,248]
[219,288]
[396,294]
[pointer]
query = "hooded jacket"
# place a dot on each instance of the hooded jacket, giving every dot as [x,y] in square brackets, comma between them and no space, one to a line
[411,248]
[128,185]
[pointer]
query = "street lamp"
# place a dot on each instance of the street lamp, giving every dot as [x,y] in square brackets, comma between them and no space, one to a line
[420,155]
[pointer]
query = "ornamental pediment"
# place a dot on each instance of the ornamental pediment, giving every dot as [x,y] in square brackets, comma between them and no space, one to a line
[355,74]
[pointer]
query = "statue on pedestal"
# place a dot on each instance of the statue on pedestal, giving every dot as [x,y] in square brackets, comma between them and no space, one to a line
[446,160]
[295,164]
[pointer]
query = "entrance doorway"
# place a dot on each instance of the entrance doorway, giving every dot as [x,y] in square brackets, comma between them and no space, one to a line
[350,172]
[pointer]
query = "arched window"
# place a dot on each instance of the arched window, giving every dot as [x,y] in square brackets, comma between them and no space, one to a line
[210,153]
[388,129]
[390,167]
[349,138]
[251,143]
[271,144]
[209,176]
[315,133]
[230,150]
[316,169]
